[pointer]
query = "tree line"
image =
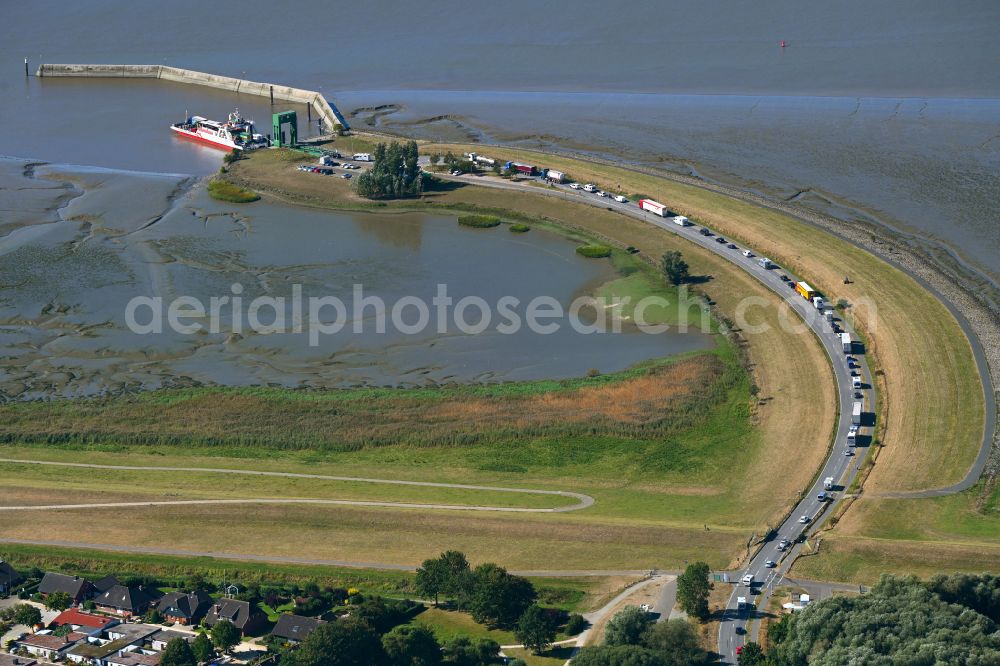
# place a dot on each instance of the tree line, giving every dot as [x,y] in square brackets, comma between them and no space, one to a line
[394,173]
[949,620]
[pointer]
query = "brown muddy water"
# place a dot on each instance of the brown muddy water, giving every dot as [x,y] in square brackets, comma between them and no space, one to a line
[89,240]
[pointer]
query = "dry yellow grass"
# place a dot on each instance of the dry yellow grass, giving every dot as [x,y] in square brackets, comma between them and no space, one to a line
[863,559]
[376,536]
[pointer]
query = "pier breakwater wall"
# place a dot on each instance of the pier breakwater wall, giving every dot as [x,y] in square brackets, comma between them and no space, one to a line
[329,113]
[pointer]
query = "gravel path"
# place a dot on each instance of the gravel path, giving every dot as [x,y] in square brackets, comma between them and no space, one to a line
[583,501]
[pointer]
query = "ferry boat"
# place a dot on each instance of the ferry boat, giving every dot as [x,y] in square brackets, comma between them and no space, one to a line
[237,133]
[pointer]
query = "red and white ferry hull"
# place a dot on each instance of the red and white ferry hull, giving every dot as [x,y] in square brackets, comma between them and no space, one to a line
[216,141]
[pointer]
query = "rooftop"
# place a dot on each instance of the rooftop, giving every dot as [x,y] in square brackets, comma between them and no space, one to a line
[51,641]
[78,617]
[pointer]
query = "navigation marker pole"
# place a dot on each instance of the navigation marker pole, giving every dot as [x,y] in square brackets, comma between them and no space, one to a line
[26,67]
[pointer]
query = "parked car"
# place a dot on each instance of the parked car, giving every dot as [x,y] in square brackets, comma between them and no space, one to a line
[345,175]
[601,193]
[574,186]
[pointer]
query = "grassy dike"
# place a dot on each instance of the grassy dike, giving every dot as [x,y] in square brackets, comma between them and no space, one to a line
[931,400]
[923,356]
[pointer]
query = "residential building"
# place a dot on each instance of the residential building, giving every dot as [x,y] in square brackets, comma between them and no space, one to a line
[295,628]
[160,639]
[14,660]
[125,601]
[8,577]
[77,588]
[133,658]
[247,618]
[105,584]
[184,607]
[83,622]
[115,640]
[48,645]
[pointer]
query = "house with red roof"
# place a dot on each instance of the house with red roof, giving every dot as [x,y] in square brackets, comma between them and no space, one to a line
[81,621]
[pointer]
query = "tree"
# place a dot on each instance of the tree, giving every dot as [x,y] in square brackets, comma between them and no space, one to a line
[536,630]
[674,268]
[202,648]
[617,655]
[912,625]
[462,651]
[752,655]
[344,642]
[693,588]
[225,635]
[676,642]
[980,592]
[58,601]
[411,646]
[26,614]
[499,598]
[432,578]
[178,653]
[575,624]
[394,173]
[153,616]
[778,631]
[627,626]
[63,630]
[381,614]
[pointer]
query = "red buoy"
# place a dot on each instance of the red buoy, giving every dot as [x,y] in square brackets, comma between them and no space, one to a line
[783,44]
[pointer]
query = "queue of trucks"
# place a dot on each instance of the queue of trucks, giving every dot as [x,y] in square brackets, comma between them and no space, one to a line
[803,288]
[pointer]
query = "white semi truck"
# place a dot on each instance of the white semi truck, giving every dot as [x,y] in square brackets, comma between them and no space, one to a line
[654,207]
[856,412]
[845,341]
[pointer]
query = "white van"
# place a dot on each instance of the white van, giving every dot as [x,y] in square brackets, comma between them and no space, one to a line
[747,580]
[856,382]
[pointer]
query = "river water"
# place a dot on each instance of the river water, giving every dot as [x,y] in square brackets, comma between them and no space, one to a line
[888,112]
[884,111]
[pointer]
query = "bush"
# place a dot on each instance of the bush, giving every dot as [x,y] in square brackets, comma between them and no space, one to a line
[519,228]
[226,191]
[575,625]
[594,251]
[479,221]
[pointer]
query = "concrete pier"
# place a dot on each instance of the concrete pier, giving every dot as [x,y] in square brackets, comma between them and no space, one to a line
[329,113]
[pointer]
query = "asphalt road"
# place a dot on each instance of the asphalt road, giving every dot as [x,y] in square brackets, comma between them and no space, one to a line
[735,625]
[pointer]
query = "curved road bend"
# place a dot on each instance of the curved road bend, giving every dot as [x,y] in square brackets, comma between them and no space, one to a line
[583,501]
[843,468]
